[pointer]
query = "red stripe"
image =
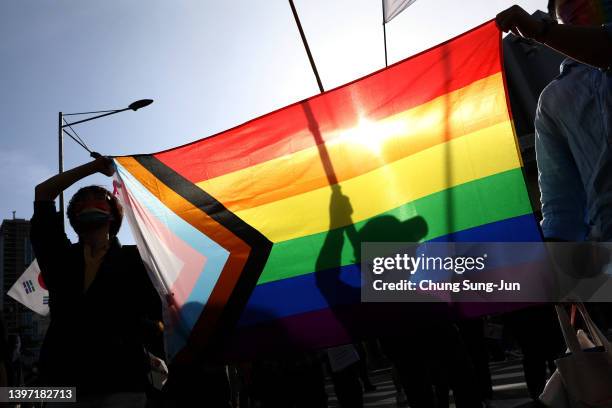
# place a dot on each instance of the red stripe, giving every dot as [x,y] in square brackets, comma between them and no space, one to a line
[447,67]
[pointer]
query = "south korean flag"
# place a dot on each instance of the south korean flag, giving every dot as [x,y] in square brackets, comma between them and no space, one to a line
[30,290]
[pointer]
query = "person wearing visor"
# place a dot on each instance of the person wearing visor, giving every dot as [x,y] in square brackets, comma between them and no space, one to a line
[103,307]
[573,143]
[573,121]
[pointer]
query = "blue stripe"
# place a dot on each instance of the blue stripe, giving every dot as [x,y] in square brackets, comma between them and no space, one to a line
[321,290]
[517,229]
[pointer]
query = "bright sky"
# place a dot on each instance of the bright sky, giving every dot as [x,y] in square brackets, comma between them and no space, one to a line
[209,65]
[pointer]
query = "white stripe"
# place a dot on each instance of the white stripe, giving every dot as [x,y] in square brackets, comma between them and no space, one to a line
[506,387]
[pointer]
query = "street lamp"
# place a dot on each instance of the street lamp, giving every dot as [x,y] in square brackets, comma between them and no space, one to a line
[61,129]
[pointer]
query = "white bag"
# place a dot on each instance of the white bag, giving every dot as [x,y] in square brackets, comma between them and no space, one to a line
[554,394]
[584,377]
[158,375]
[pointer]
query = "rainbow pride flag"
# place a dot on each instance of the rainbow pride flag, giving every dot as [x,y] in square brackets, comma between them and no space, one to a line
[256,231]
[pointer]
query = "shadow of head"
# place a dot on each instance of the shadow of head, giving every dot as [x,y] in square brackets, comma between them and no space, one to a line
[387,228]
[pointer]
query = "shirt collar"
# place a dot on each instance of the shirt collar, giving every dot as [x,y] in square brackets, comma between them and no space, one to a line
[566,64]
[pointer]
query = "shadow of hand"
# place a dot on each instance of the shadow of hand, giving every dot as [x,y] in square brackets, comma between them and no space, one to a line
[340,208]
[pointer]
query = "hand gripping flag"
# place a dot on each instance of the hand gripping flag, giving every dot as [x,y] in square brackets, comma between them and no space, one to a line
[255,231]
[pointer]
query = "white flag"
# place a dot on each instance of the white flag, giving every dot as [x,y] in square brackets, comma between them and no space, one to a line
[30,290]
[392,8]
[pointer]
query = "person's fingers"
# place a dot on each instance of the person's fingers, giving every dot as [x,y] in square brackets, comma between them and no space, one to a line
[520,22]
[516,20]
[101,164]
[515,29]
[109,165]
[499,21]
[530,26]
[504,18]
[504,22]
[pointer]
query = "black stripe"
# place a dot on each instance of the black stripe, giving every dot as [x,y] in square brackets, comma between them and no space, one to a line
[201,199]
[254,265]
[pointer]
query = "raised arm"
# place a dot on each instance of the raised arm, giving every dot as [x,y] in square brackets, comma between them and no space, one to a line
[49,189]
[591,45]
[49,241]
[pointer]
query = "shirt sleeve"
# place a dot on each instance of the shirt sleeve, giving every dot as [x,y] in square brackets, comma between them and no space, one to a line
[49,241]
[562,195]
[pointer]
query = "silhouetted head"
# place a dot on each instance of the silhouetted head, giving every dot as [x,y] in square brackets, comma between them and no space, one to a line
[387,228]
[581,12]
[94,208]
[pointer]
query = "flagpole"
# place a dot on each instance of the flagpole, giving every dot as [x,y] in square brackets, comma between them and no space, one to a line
[312,63]
[384,32]
[385,40]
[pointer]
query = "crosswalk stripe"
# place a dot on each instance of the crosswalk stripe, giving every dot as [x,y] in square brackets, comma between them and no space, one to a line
[506,376]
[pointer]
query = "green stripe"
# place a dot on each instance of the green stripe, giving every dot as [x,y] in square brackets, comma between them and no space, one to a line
[475,203]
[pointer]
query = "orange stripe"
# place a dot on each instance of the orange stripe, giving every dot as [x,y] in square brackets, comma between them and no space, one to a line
[238,250]
[366,147]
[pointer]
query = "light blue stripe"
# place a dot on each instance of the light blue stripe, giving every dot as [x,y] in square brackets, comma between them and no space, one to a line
[216,255]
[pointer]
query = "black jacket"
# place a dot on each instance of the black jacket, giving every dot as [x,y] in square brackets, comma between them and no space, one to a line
[96,339]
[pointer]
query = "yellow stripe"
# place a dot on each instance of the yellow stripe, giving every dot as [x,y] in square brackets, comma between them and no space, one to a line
[366,147]
[479,154]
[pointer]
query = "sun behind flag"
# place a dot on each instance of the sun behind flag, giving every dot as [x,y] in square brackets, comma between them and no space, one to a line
[255,231]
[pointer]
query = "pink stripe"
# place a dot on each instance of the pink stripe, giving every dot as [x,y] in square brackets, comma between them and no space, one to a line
[193,261]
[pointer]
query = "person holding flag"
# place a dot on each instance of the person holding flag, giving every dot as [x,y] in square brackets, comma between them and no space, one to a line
[573,142]
[102,304]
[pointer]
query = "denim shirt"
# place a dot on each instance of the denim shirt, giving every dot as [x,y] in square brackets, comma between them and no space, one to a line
[573,140]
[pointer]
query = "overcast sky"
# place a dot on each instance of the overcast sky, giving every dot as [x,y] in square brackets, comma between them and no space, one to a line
[209,65]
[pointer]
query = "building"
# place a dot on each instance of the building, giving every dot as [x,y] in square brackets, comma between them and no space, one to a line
[15,256]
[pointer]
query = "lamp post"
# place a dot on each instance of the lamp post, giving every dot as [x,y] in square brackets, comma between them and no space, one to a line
[61,128]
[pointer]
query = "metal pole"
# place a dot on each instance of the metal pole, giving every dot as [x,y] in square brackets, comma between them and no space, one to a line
[95,117]
[385,40]
[312,63]
[60,135]
[384,32]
